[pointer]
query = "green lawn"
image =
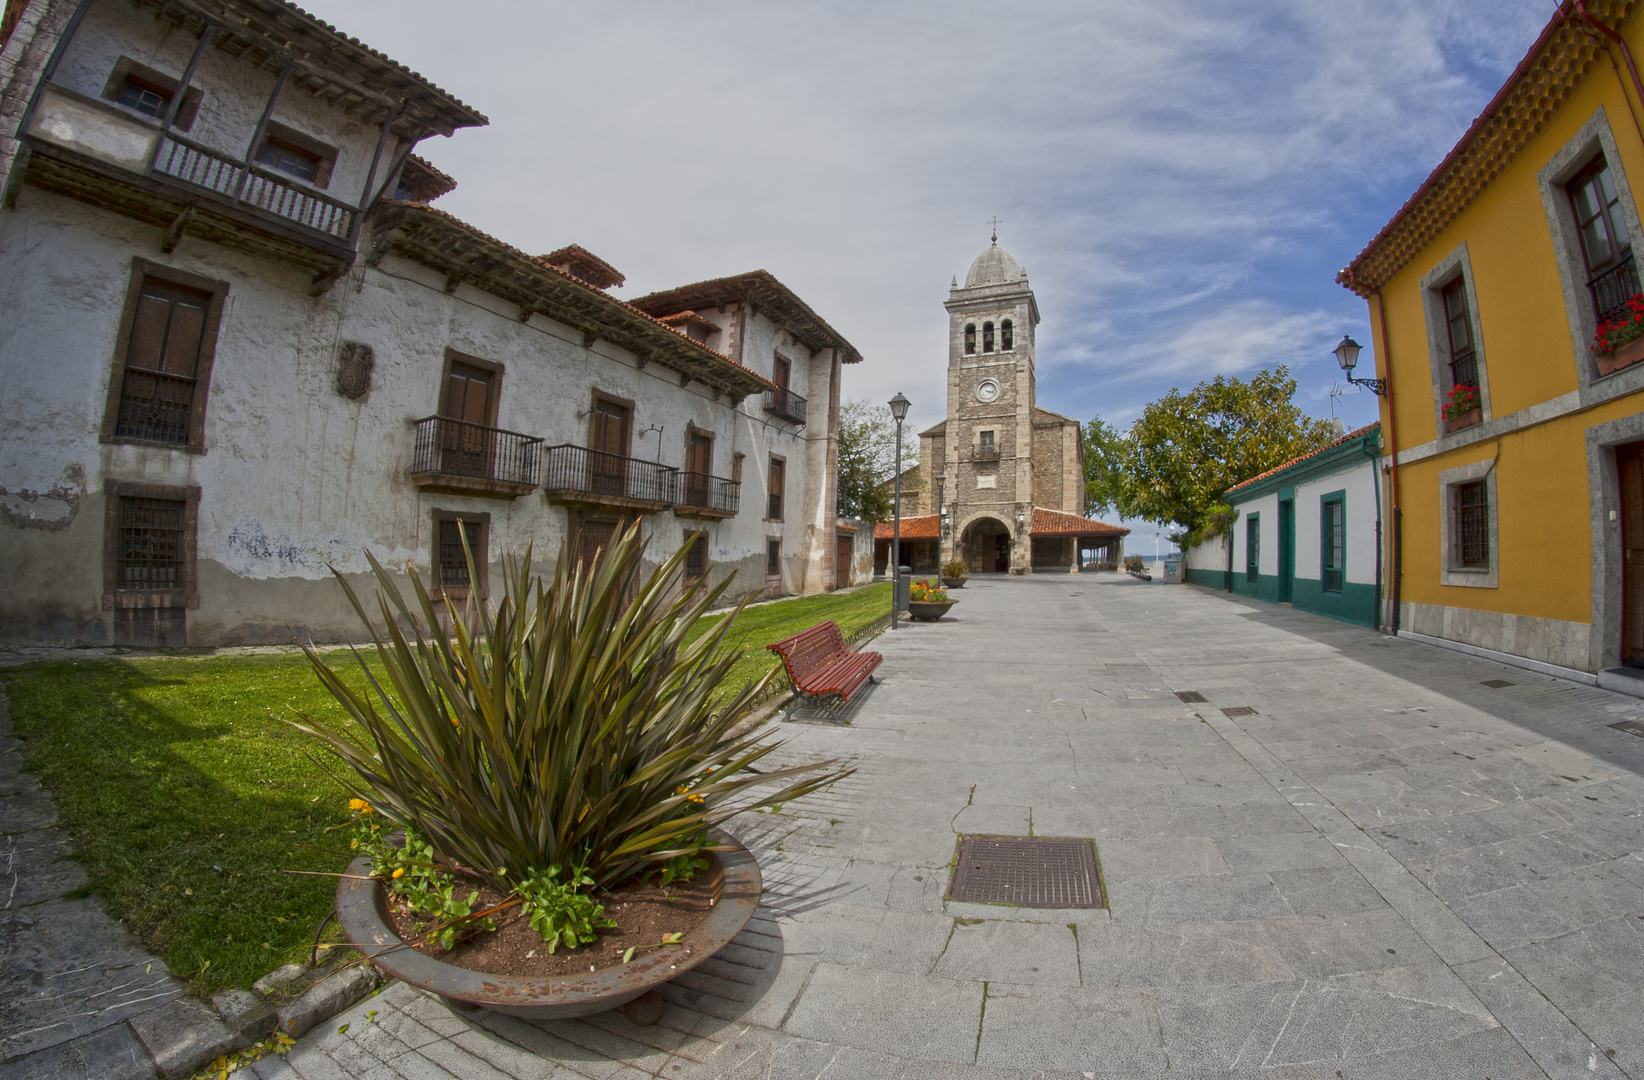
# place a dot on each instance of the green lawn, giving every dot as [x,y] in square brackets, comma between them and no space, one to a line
[187,797]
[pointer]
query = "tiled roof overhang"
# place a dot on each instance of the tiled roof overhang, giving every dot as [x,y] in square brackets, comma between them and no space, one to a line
[595,270]
[760,289]
[1372,429]
[1056,523]
[465,255]
[1555,66]
[923,527]
[327,63]
[425,181]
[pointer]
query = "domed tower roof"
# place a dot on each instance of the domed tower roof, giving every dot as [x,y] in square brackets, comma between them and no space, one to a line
[995,266]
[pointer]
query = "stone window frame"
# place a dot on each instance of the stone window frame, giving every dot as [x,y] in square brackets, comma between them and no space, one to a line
[482,558]
[188,595]
[1594,137]
[1603,486]
[1457,264]
[324,153]
[141,270]
[970,339]
[1007,335]
[1449,480]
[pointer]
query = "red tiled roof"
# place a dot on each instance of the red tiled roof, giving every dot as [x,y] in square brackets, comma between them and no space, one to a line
[913,528]
[424,182]
[760,289]
[1045,523]
[1056,523]
[584,264]
[1349,437]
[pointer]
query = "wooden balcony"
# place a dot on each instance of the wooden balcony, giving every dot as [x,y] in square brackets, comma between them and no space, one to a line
[90,150]
[710,497]
[460,458]
[584,477]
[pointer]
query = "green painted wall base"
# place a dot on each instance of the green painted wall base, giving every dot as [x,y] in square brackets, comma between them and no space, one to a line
[1356,603]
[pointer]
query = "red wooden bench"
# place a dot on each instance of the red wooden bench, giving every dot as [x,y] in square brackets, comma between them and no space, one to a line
[819,663]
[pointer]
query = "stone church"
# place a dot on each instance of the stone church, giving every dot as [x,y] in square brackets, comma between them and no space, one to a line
[1001,484]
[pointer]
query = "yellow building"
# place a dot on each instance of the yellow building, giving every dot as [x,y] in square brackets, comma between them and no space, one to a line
[1518,527]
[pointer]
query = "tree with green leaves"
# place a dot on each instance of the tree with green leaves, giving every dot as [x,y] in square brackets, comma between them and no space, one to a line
[1104,466]
[867,460]
[1187,448]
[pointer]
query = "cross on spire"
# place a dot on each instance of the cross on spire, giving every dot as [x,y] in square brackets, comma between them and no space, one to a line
[995,224]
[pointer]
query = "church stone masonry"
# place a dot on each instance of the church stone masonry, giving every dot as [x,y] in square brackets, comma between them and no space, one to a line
[1004,486]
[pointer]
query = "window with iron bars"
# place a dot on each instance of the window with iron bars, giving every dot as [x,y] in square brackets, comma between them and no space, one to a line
[1333,544]
[162,358]
[696,556]
[1472,524]
[1606,247]
[453,568]
[773,510]
[149,556]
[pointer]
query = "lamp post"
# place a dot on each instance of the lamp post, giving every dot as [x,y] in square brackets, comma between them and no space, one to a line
[899,410]
[1347,355]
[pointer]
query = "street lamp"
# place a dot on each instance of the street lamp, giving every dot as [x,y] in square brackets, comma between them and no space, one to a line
[899,411]
[1347,355]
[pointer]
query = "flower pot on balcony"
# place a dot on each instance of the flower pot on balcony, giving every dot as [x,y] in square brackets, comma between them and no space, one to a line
[1465,420]
[926,611]
[1627,355]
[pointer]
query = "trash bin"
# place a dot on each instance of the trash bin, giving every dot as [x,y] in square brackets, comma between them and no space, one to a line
[1173,569]
[904,582]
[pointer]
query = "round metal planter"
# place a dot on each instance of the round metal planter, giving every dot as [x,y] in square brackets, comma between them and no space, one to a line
[362,913]
[953,583]
[924,611]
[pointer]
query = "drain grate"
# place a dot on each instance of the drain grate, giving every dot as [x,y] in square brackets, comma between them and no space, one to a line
[1239,710]
[1631,727]
[1496,684]
[1190,696]
[1027,871]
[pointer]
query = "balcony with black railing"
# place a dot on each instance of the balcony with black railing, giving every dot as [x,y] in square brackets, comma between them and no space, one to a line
[784,404]
[1612,287]
[704,496]
[577,474]
[472,459]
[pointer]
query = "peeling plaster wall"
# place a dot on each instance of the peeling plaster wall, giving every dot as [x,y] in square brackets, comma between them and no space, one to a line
[297,478]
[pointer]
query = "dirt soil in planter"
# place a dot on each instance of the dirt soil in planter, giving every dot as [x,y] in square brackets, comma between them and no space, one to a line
[643,914]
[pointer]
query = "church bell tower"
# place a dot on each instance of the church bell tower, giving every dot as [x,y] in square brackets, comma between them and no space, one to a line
[986,461]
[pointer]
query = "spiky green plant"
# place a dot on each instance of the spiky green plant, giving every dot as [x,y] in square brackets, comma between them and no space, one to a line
[569,726]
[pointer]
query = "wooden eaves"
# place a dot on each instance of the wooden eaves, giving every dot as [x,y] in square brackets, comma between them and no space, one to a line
[761,290]
[465,255]
[1563,56]
[340,70]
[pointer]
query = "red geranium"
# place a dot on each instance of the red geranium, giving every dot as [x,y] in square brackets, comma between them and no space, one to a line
[1464,398]
[1618,332]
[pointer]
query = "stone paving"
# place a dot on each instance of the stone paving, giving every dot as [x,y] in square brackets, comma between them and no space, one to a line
[1387,869]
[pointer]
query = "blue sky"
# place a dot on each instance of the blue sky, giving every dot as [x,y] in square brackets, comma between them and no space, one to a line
[1181,179]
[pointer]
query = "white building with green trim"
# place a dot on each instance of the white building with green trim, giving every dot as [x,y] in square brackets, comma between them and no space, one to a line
[1305,533]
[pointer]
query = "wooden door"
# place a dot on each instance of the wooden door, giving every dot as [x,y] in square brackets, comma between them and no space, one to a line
[842,562]
[608,446]
[781,372]
[466,443]
[698,464]
[1001,553]
[1629,462]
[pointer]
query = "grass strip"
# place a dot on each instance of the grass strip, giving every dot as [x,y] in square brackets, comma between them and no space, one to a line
[187,797]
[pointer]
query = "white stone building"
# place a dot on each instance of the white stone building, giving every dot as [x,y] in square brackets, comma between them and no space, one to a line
[239,348]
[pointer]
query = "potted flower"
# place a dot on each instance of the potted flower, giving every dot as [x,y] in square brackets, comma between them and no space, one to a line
[953,574]
[1464,409]
[1620,342]
[539,786]
[928,602]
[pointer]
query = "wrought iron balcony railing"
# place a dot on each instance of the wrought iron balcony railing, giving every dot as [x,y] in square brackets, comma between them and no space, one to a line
[785,404]
[457,449]
[577,470]
[1611,288]
[715,494]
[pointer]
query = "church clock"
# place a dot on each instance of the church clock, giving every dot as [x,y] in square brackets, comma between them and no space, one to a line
[987,391]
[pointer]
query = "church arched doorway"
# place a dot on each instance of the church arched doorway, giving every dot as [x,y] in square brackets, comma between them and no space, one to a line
[986,544]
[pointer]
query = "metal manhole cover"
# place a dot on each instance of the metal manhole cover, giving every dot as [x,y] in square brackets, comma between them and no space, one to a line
[1496,684]
[1239,710]
[1631,727]
[1027,871]
[1190,696]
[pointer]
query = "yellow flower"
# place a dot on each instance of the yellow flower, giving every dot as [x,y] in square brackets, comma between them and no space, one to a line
[361,805]
[681,789]
[696,798]
[398,870]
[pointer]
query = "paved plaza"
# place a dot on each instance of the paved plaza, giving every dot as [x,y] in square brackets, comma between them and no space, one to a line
[1387,869]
